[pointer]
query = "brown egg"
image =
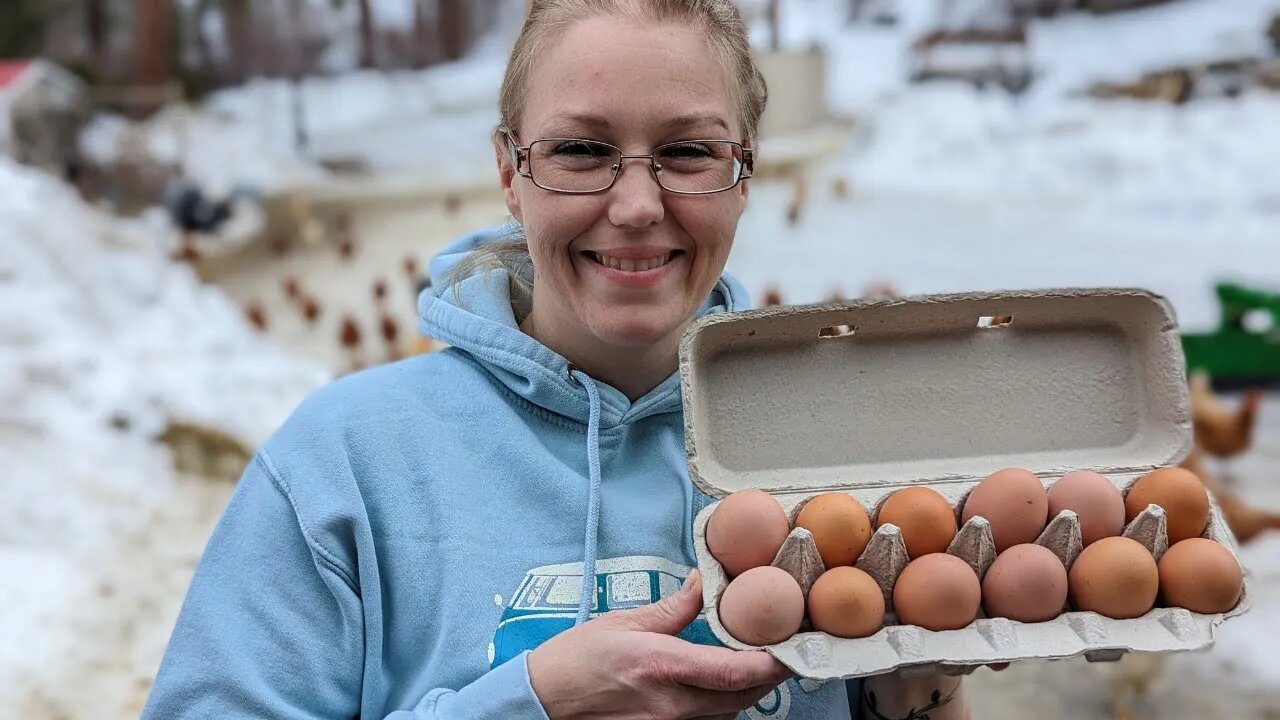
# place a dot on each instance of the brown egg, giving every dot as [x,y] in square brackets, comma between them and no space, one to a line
[1200,575]
[1027,583]
[1115,577]
[925,517]
[762,606]
[846,602]
[1094,499]
[1014,502]
[840,527]
[1180,493]
[746,530]
[937,592]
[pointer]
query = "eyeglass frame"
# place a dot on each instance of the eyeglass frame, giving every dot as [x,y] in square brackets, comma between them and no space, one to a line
[520,155]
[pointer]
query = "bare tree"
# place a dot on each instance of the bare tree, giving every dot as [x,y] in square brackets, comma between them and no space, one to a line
[96,29]
[368,56]
[775,27]
[238,34]
[153,42]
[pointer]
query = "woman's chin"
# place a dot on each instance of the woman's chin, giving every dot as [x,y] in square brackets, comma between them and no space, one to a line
[637,329]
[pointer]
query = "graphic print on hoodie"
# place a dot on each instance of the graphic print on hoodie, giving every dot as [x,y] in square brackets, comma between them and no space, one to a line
[412,531]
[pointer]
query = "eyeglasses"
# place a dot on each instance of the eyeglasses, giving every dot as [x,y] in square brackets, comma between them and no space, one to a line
[578,166]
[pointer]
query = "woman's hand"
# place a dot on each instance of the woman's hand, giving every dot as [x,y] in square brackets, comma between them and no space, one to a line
[627,664]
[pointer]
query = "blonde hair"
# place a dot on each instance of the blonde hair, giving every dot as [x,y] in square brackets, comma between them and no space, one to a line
[718,20]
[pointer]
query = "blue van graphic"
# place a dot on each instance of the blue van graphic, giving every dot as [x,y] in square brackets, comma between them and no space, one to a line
[546,604]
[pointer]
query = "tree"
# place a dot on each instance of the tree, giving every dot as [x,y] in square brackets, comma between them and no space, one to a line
[368,58]
[96,28]
[153,42]
[22,28]
[455,29]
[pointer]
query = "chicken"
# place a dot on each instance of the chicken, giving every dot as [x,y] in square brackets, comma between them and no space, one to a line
[1246,521]
[879,290]
[256,315]
[1219,430]
[799,198]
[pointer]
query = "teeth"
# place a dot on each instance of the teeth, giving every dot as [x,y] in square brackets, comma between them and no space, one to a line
[627,265]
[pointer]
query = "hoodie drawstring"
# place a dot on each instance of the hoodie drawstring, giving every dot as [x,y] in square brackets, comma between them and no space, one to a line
[591,543]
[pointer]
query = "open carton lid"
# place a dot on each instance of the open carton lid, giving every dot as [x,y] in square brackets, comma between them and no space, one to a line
[933,389]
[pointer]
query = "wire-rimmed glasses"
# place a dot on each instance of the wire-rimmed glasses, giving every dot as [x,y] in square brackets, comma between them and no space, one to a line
[581,166]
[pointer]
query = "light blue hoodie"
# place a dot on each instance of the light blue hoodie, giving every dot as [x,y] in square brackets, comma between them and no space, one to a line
[412,531]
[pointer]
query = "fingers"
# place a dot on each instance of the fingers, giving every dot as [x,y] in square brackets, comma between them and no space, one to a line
[959,670]
[712,704]
[725,670]
[668,616]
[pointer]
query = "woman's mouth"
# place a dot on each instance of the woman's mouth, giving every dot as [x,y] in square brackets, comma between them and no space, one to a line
[634,272]
[632,264]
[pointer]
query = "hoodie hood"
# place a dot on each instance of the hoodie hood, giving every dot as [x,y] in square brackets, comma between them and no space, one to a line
[476,316]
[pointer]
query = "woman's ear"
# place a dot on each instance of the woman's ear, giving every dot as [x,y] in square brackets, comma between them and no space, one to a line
[507,178]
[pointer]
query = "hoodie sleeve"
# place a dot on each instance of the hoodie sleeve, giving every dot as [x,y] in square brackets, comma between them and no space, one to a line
[272,626]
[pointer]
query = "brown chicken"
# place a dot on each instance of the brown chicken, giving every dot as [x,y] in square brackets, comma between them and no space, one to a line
[799,198]
[256,315]
[292,288]
[1221,431]
[1246,521]
[772,296]
[311,309]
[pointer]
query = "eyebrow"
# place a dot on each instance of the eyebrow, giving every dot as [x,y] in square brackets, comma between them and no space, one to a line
[599,122]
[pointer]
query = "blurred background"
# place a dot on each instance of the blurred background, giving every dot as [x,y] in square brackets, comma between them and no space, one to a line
[208,208]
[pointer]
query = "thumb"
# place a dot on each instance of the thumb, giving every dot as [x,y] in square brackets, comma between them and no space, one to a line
[668,616]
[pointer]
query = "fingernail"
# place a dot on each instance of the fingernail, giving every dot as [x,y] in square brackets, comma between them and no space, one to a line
[688,581]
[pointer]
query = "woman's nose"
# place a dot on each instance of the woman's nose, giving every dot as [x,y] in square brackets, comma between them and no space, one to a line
[635,198]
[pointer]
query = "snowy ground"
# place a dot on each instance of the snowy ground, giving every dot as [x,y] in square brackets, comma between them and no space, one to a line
[103,343]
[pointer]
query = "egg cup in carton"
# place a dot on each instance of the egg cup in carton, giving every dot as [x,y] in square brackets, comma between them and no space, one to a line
[872,397]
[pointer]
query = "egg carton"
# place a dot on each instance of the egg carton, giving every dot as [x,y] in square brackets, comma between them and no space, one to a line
[869,397]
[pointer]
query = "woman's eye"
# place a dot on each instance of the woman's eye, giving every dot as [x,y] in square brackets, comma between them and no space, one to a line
[581,149]
[687,150]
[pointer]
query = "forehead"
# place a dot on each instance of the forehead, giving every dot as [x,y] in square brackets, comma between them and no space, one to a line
[631,77]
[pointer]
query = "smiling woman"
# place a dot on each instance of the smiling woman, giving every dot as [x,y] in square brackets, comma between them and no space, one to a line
[355,570]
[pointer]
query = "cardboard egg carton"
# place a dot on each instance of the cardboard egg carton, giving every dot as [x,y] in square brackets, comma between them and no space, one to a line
[869,397]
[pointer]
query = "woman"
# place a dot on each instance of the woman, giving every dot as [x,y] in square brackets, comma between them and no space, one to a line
[433,538]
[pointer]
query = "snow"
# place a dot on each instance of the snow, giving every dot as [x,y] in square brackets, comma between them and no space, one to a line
[103,341]
[216,151]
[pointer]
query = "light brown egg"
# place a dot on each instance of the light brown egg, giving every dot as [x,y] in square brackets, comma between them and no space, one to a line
[1093,498]
[1014,502]
[1180,493]
[1200,575]
[840,527]
[1027,583]
[937,592]
[846,602]
[746,530]
[1115,577]
[924,516]
[762,606]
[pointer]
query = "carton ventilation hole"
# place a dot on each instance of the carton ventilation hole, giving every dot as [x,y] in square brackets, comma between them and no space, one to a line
[835,331]
[993,321]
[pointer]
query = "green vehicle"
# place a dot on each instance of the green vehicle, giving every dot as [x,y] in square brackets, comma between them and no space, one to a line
[1245,349]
